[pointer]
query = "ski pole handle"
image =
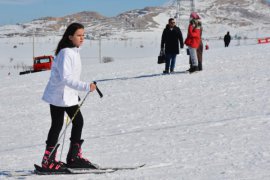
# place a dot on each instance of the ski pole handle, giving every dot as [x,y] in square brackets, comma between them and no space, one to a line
[99,92]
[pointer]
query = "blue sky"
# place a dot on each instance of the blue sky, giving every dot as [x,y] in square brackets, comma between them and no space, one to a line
[19,11]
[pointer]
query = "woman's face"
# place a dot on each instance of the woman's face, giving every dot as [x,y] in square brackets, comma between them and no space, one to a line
[78,38]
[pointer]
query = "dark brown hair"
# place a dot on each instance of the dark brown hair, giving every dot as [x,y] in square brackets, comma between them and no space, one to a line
[171,19]
[65,41]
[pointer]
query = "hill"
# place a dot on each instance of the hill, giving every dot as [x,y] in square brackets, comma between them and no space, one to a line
[240,15]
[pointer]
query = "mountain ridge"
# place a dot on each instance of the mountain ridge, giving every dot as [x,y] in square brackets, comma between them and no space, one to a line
[245,14]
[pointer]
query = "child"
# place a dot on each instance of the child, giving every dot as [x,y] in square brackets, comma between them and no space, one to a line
[62,94]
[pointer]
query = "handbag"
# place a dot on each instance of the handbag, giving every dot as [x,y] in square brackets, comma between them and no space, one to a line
[161,57]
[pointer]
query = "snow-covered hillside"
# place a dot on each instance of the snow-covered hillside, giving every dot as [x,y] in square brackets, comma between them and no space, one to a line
[208,125]
[241,17]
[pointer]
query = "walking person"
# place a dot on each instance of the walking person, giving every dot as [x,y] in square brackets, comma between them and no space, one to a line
[193,40]
[227,39]
[171,37]
[61,93]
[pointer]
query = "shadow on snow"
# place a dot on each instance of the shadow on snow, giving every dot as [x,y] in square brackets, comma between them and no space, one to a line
[139,77]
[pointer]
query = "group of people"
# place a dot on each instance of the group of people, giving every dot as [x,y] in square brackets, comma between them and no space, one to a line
[172,37]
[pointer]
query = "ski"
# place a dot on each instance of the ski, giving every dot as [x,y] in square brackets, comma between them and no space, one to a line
[69,171]
[89,171]
[123,167]
[40,171]
[101,170]
[104,169]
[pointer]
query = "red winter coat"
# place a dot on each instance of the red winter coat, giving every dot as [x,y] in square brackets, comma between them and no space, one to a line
[193,37]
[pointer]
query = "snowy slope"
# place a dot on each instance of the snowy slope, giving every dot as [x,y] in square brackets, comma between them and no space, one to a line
[209,125]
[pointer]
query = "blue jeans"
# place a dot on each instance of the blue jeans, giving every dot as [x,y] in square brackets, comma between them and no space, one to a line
[170,61]
[193,56]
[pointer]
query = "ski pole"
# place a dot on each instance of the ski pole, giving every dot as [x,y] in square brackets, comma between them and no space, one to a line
[67,120]
[64,131]
[99,92]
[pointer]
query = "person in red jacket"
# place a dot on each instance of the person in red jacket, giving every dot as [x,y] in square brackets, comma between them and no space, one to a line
[193,40]
[199,52]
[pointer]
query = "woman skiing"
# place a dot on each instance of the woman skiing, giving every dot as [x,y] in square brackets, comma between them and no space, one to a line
[62,94]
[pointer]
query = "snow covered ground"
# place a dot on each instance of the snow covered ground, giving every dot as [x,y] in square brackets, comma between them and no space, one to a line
[209,125]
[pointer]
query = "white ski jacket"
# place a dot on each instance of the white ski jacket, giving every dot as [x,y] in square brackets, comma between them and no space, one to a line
[64,83]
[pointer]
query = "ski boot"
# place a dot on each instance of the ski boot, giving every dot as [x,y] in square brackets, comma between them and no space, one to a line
[75,159]
[50,164]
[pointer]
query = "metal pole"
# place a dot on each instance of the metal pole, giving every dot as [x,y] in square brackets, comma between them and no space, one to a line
[64,139]
[64,131]
[73,117]
[33,45]
[193,5]
[178,12]
[100,48]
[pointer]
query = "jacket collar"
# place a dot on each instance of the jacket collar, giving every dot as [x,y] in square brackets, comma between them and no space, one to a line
[168,27]
[76,49]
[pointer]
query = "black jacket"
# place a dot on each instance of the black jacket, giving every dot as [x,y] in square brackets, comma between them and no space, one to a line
[171,38]
[227,38]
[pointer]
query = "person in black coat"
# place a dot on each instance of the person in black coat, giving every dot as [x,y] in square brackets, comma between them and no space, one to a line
[227,39]
[170,39]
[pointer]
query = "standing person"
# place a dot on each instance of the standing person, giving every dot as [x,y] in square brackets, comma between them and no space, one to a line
[193,40]
[199,51]
[62,94]
[227,39]
[200,56]
[170,39]
[200,48]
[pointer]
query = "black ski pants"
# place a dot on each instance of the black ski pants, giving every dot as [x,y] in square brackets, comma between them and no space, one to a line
[57,116]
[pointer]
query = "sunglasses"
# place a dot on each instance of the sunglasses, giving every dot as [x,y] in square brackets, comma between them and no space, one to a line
[172,22]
